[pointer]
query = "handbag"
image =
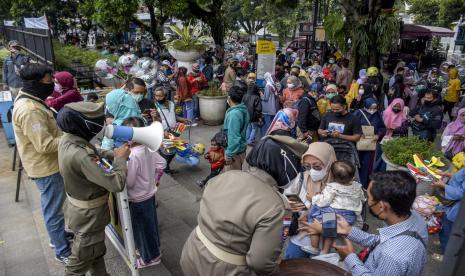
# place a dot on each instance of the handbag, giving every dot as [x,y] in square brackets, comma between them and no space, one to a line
[367,142]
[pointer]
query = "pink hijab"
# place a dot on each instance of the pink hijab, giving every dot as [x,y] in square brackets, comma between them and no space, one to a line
[456,127]
[394,120]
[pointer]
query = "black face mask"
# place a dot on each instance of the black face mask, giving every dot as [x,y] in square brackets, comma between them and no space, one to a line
[395,110]
[338,114]
[428,103]
[161,101]
[38,89]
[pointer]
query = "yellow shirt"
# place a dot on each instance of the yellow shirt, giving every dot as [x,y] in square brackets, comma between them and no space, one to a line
[37,137]
[453,91]
[353,92]
[323,105]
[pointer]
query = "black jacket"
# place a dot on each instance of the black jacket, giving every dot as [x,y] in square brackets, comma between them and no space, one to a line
[254,104]
[309,117]
[432,120]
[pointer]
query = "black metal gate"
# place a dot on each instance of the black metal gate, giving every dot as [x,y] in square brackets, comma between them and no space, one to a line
[37,42]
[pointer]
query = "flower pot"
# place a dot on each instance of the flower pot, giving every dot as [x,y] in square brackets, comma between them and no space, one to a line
[391,166]
[185,58]
[212,109]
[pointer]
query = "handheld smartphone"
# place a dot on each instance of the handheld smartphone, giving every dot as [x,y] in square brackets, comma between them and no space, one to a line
[295,198]
[329,225]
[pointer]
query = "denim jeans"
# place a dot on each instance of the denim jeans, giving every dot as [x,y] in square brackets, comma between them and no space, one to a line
[188,110]
[251,132]
[145,228]
[293,251]
[52,195]
[445,233]
[267,119]
[195,100]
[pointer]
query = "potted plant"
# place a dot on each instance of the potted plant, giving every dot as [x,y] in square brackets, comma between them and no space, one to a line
[398,152]
[212,104]
[187,46]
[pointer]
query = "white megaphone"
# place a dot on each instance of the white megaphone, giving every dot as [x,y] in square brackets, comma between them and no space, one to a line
[151,136]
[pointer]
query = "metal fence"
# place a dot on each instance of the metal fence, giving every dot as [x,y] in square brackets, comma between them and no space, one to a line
[37,42]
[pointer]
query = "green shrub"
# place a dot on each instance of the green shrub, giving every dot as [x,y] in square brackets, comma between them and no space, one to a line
[4,53]
[400,151]
[67,54]
[213,90]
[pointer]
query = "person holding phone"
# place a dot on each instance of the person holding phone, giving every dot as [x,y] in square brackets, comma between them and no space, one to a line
[316,162]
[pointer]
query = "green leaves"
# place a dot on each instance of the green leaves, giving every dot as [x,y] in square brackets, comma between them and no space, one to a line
[67,54]
[188,38]
[400,151]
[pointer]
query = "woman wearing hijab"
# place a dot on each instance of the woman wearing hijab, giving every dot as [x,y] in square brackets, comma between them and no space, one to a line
[395,119]
[454,135]
[284,122]
[293,91]
[240,223]
[369,116]
[65,91]
[269,104]
[316,162]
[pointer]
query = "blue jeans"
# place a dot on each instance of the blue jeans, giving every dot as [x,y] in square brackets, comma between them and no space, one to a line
[445,233]
[188,110]
[52,195]
[145,228]
[267,119]
[293,251]
[195,100]
[251,132]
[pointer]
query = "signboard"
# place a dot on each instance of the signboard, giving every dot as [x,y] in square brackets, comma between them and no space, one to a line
[320,34]
[265,63]
[265,47]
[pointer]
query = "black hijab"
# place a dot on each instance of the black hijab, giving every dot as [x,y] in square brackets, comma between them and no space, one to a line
[73,122]
[276,159]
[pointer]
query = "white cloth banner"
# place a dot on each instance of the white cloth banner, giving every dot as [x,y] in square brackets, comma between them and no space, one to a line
[36,23]
[8,22]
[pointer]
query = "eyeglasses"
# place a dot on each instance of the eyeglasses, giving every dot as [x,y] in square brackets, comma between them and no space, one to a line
[308,167]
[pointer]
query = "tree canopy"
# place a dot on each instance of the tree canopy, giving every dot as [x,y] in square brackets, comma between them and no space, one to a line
[436,12]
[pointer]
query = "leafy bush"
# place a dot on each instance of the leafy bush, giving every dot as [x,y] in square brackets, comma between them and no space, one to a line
[67,54]
[4,53]
[213,90]
[400,151]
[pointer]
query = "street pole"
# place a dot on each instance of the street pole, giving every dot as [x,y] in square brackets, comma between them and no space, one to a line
[316,4]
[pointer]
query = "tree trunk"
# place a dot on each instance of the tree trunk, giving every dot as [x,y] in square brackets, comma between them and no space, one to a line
[217,29]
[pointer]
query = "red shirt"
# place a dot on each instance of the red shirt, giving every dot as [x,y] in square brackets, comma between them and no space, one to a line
[217,163]
[197,85]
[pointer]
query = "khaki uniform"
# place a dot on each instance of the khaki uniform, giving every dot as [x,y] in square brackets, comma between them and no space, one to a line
[87,182]
[240,213]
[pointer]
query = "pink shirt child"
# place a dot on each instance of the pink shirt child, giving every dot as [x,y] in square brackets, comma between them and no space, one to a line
[141,183]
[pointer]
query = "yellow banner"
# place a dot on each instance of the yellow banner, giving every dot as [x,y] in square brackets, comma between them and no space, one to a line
[265,47]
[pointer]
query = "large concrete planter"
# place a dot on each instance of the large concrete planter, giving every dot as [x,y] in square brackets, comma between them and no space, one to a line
[185,58]
[212,109]
[391,166]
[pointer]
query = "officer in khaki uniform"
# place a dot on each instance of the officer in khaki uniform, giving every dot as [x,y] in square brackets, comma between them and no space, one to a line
[242,219]
[87,183]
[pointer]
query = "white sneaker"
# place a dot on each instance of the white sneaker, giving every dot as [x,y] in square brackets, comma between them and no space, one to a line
[62,259]
[310,249]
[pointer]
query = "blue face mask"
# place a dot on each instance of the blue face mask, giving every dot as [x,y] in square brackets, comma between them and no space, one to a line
[329,96]
[137,97]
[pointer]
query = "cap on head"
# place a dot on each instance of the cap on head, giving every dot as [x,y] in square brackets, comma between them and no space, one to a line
[252,76]
[166,62]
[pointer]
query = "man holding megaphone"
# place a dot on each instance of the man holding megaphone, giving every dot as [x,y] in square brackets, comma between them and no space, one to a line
[88,179]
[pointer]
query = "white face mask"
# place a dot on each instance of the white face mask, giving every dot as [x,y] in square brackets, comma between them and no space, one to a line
[290,85]
[137,97]
[371,111]
[317,175]
[361,92]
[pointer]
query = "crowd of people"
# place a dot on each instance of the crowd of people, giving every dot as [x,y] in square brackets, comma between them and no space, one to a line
[305,145]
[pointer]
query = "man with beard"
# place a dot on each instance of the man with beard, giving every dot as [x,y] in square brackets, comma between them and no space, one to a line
[37,138]
[400,247]
[88,180]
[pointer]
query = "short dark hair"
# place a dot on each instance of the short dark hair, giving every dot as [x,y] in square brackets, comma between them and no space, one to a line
[398,188]
[342,86]
[343,171]
[345,63]
[133,121]
[34,72]
[135,81]
[236,93]
[92,96]
[400,69]
[433,92]
[338,99]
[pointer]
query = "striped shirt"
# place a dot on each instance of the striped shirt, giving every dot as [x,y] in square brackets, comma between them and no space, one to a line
[395,254]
